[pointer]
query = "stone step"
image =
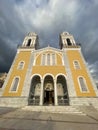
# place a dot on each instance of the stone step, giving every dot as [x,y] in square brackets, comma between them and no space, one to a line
[53,109]
[88,109]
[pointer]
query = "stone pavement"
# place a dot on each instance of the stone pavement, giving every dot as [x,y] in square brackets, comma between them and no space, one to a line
[26,119]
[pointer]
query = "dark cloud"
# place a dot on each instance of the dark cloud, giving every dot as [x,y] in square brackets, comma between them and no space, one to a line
[48,18]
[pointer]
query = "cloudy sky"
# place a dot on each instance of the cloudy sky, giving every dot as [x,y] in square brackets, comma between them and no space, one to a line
[48,18]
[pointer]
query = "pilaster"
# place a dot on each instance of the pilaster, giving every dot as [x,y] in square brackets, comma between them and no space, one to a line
[42,93]
[27,81]
[70,83]
[55,93]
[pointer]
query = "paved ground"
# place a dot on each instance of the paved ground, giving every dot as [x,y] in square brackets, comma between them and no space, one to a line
[19,119]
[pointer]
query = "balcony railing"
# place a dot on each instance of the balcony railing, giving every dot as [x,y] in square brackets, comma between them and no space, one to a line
[62,101]
[72,46]
[34,101]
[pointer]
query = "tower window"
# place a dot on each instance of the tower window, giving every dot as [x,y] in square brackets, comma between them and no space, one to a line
[29,42]
[76,65]
[83,85]
[68,42]
[15,84]
[20,65]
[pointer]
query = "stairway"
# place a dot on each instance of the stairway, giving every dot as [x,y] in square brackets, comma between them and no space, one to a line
[54,109]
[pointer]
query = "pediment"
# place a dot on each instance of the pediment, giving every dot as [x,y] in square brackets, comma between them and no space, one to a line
[49,49]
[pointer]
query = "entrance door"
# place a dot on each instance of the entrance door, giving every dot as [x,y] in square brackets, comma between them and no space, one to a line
[48,91]
[49,97]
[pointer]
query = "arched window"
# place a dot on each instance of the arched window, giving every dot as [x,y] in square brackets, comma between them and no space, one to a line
[76,65]
[48,59]
[29,42]
[15,84]
[20,65]
[53,59]
[43,59]
[68,42]
[83,84]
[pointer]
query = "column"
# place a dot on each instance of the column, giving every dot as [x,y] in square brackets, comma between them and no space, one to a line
[41,95]
[55,93]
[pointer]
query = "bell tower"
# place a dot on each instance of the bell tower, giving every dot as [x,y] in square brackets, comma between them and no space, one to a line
[66,40]
[31,41]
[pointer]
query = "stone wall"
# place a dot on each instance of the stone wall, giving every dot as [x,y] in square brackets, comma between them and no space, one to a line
[84,101]
[13,101]
[23,101]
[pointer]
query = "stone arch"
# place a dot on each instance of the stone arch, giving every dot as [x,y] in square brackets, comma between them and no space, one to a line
[62,91]
[35,88]
[47,75]
[64,75]
[48,86]
[36,74]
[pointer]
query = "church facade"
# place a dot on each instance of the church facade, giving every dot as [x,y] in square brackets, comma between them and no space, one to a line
[48,76]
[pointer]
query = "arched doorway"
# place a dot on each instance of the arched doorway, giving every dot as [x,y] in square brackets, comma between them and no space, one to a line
[48,91]
[34,95]
[62,92]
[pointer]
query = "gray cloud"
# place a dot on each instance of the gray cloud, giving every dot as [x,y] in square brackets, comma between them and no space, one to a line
[48,18]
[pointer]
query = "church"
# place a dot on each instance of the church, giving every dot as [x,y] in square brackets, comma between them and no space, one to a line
[48,76]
